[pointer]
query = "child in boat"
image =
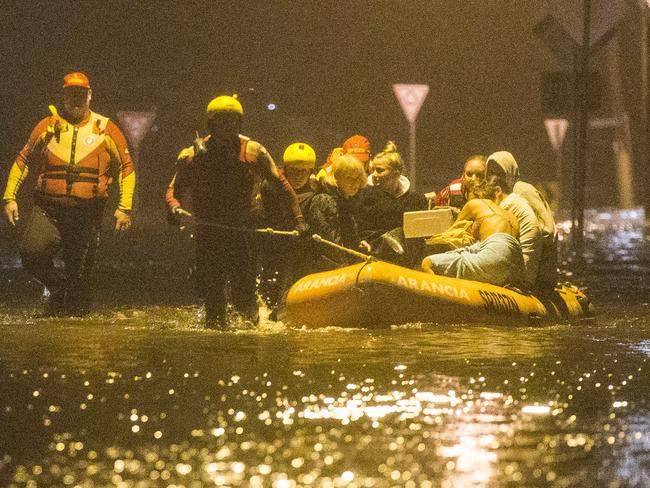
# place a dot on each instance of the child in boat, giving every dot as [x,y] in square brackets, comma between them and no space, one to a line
[331,213]
[496,256]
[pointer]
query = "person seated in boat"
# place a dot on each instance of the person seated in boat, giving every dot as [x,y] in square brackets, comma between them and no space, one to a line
[358,146]
[388,195]
[538,232]
[382,203]
[285,259]
[496,256]
[331,212]
[452,195]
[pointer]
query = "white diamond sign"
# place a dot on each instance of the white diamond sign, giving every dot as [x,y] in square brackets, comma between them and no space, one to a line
[411,98]
[136,125]
[556,130]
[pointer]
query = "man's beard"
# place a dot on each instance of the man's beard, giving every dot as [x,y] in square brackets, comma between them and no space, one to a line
[75,114]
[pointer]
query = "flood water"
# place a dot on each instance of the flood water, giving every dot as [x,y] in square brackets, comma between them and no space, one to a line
[138,394]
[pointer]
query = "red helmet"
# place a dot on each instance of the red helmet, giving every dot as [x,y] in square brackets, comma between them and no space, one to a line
[358,146]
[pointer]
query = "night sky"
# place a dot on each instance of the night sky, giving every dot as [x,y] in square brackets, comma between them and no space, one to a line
[328,66]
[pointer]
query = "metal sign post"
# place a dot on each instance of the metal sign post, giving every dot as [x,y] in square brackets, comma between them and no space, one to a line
[411,98]
[579,169]
[564,41]
[556,130]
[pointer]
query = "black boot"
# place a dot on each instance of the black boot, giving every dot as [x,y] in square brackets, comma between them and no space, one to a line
[55,304]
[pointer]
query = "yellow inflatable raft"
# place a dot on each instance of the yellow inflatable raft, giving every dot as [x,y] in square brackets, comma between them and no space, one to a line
[379,294]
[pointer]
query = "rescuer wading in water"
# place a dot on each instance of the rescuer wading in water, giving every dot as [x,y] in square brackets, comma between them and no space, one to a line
[72,154]
[223,172]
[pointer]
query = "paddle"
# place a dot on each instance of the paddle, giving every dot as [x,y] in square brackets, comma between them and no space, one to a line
[352,252]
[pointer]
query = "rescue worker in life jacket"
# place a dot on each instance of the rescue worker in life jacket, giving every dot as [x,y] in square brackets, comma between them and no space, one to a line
[223,172]
[72,154]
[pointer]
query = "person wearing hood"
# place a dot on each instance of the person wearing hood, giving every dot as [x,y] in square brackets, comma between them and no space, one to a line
[538,233]
[382,203]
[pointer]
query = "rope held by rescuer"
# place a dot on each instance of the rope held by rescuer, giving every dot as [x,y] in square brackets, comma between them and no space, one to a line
[208,223]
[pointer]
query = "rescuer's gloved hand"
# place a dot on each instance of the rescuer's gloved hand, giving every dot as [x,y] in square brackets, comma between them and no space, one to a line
[302,227]
[174,217]
[11,212]
[199,145]
[365,246]
[122,221]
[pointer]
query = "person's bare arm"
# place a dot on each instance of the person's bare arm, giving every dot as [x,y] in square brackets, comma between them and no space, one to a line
[468,212]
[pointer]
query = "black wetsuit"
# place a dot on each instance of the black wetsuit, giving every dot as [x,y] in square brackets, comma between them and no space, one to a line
[284,259]
[223,189]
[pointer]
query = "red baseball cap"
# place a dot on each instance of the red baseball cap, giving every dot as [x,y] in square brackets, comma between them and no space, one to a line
[76,79]
[358,146]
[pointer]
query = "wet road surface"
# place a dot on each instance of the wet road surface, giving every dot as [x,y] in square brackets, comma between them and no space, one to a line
[138,394]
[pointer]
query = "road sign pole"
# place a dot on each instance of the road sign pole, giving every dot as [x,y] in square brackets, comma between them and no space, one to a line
[577,226]
[412,158]
[411,98]
[556,129]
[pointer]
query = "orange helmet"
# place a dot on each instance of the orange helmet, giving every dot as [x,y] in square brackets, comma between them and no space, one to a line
[331,157]
[358,146]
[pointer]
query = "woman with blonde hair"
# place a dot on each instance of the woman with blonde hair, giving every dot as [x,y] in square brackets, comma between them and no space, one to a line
[496,255]
[388,195]
[331,213]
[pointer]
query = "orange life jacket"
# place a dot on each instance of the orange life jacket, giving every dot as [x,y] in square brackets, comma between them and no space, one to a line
[77,159]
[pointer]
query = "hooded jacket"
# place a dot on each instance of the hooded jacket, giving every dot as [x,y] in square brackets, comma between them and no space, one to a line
[546,274]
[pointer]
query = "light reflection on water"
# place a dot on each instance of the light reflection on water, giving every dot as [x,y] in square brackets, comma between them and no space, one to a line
[119,402]
[143,396]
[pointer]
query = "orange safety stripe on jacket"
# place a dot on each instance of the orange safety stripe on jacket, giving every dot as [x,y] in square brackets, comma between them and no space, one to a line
[74,161]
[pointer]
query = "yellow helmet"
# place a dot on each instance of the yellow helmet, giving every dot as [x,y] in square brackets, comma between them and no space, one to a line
[224,103]
[299,155]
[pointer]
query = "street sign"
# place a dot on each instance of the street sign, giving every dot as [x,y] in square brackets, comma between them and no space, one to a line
[411,98]
[564,38]
[606,16]
[136,125]
[556,130]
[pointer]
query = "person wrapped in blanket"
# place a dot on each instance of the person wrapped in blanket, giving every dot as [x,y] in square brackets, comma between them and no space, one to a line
[496,256]
[538,234]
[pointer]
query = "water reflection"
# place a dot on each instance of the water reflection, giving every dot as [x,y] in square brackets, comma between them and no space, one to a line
[143,396]
[292,409]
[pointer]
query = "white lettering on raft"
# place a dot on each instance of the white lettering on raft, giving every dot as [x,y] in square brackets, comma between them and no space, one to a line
[322,282]
[432,287]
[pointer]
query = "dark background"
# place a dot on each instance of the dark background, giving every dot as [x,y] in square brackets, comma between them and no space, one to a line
[328,66]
